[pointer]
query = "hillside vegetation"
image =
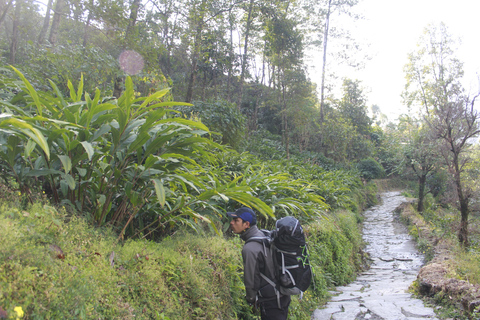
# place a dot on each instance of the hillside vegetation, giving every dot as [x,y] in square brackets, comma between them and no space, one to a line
[129,128]
[55,265]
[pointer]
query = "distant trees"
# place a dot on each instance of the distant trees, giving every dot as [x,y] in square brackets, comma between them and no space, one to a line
[250,53]
[433,83]
[346,130]
[418,152]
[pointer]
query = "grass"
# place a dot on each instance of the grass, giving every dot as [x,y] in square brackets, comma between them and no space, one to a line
[54,268]
[55,265]
[436,233]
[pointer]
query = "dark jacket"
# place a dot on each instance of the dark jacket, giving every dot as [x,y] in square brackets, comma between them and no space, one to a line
[257,259]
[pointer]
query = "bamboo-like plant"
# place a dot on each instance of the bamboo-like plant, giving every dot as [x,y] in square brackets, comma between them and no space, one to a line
[128,162]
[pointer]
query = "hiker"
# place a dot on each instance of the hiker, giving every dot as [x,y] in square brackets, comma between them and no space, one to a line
[257,260]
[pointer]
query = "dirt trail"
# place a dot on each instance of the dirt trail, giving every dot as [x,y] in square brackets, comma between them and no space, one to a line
[381,293]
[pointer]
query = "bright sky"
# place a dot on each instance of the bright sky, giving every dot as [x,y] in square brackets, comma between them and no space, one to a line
[393,28]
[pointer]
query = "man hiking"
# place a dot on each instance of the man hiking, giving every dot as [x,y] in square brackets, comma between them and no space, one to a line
[258,267]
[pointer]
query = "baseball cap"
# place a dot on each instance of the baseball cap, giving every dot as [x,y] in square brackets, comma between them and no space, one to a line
[244,213]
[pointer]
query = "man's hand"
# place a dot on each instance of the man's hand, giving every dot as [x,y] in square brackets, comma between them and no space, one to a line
[254,306]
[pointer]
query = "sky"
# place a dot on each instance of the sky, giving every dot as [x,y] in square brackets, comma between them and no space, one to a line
[390,31]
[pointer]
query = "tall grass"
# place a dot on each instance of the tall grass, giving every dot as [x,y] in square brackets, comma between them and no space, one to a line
[55,265]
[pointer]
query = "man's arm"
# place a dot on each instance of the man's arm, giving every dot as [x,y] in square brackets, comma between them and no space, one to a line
[251,273]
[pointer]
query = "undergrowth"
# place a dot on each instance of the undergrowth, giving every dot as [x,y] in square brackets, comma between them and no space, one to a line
[435,231]
[54,265]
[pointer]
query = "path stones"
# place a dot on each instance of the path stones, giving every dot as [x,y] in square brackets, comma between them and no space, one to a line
[381,293]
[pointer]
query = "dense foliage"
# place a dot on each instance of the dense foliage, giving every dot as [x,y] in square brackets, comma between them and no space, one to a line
[145,169]
[88,120]
[55,265]
[221,55]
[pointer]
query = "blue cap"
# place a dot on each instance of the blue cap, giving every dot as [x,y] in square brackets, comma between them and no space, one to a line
[244,213]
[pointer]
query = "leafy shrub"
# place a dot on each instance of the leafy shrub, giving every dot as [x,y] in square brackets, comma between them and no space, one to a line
[128,162]
[55,269]
[56,266]
[220,117]
[335,243]
[69,63]
[370,169]
[437,183]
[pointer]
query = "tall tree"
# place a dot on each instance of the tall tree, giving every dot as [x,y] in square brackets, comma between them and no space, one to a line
[286,53]
[46,24]
[433,82]
[353,106]
[245,51]
[4,10]
[15,31]
[59,12]
[420,153]
[327,10]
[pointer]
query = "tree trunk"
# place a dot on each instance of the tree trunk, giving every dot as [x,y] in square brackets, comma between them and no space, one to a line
[421,192]
[46,23]
[285,133]
[5,11]
[132,19]
[463,200]
[193,72]
[325,41]
[57,15]
[87,25]
[245,53]
[196,52]
[230,66]
[14,43]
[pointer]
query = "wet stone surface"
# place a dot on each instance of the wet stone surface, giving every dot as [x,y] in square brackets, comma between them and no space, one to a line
[381,293]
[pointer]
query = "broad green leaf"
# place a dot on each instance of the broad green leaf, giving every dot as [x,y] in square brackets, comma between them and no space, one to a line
[57,91]
[43,172]
[160,192]
[80,88]
[17,109]
[73,94]
[139,141]
[81,172]
[156,95]
[186,122]
[29,148]
[101,131]
[70,181]
[154,146]
[66,162]
[39,139]
[31,91]
[88,148]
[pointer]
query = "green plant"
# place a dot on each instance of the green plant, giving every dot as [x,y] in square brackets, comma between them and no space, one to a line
[128,162]
[220,117]
[370,169]
[57,266]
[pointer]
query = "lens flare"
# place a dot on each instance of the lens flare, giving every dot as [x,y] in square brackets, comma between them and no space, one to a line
[131,62]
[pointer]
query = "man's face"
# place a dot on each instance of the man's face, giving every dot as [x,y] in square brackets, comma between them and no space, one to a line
[238,225]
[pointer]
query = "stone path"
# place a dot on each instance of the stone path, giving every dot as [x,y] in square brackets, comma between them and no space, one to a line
[381,293]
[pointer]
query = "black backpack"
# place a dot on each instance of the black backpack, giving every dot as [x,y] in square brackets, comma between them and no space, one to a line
[290,255]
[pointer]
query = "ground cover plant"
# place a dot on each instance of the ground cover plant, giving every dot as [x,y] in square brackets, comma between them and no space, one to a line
[139,166]
[451,270]
[121,203]
[56,265]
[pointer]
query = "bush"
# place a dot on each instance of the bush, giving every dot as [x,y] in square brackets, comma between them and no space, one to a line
[56,266]
[336,244]
[56,269]
[370,169]
[220,117]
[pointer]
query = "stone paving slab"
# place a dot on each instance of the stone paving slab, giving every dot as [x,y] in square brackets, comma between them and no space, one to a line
[381,293]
